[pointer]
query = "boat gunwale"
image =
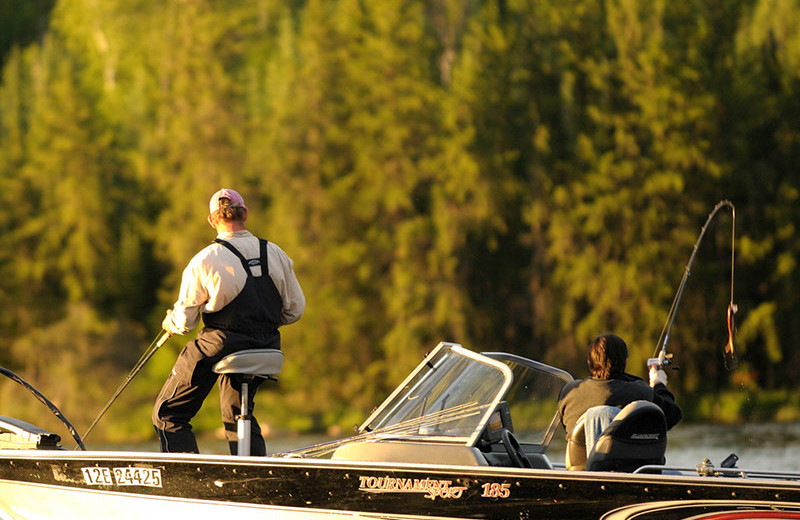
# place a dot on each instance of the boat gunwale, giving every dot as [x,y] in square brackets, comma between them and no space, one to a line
[752,478]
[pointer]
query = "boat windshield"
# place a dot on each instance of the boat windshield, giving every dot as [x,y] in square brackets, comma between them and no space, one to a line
[533,398]
[453,394]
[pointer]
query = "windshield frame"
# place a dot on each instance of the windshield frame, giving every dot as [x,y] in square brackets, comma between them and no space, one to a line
[555,373]
[422,373]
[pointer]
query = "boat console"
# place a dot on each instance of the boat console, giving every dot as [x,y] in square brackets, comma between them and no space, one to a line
[410,452]
[492,409]
[456,408]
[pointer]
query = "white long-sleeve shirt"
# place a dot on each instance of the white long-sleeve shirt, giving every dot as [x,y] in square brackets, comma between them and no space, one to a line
[215,276]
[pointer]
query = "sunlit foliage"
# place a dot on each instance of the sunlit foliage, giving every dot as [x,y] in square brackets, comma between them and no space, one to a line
[512,175]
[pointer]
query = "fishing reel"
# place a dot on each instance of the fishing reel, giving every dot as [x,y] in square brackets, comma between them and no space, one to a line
[662,361]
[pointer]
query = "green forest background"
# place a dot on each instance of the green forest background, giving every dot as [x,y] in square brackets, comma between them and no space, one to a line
[514,175]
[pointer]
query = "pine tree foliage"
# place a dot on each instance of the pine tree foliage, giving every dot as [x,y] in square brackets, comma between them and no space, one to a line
[512,175]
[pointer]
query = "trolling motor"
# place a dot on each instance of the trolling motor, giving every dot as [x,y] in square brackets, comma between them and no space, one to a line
[24,435]
[21,434]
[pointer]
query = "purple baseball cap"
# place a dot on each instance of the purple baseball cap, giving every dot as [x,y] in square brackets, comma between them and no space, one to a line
[225,193]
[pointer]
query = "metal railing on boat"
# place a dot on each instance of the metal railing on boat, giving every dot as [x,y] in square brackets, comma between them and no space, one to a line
[710,471]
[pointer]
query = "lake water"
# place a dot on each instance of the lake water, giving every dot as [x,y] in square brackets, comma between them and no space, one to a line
[758,445]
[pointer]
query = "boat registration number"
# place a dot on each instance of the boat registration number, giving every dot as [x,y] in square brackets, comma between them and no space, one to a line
[128,476]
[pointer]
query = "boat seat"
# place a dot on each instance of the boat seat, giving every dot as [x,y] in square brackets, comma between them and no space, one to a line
[594,420]
[636,437]
[250,364]
[575,457]
[256,362]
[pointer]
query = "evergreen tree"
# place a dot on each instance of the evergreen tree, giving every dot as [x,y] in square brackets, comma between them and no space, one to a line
[508,175]
[759,133]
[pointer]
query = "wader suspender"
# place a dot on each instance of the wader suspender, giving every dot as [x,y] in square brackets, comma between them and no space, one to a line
[253,261]
[256,310]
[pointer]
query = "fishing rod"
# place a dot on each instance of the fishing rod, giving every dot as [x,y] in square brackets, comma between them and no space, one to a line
[663,358]
[162,338]
[14,377]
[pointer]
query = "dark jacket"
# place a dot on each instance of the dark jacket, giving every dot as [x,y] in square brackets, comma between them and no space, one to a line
[580,395]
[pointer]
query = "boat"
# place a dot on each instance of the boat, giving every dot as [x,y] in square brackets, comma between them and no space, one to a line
[464,436]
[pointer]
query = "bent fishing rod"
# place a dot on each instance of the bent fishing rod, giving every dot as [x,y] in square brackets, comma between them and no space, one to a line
[162,338]
[14,377]
[663,358]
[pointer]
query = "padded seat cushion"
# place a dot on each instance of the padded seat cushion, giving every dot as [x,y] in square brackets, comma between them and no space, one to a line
[257,362]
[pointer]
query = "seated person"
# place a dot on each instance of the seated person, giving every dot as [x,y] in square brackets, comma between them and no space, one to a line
[610,385]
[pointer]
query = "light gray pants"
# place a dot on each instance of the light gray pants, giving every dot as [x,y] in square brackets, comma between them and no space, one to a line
[595,421]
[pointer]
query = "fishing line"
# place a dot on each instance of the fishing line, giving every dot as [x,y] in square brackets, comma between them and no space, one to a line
[730,356]
[162,338]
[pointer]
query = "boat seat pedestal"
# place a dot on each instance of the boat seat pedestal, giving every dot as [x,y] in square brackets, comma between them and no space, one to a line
[251,364]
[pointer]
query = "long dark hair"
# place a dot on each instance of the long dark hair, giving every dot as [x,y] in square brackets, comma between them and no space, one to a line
[608,356]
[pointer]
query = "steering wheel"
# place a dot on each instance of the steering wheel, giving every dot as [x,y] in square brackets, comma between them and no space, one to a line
[514,450]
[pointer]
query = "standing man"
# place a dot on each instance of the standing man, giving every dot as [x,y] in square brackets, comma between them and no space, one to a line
[244,288]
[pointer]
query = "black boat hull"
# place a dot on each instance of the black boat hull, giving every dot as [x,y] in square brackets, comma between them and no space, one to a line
[128,485]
